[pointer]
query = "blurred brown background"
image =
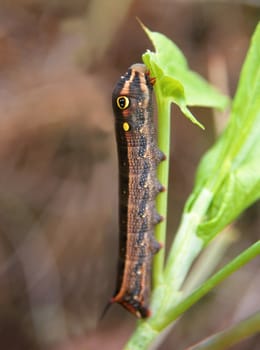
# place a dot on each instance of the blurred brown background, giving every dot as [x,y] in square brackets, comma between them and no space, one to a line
[59,61]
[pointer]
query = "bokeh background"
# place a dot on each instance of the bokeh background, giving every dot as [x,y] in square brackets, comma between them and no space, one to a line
[59,61]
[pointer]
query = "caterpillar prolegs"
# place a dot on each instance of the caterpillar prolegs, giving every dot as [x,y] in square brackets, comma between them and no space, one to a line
[138,157]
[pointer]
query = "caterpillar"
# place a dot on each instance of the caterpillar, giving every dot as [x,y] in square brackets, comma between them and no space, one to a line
[138,157]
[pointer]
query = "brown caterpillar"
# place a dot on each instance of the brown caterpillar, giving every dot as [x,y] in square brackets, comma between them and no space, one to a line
[138,157]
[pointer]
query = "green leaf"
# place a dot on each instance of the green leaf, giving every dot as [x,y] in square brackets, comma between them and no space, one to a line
[187,87]
[231,169]
[168,88]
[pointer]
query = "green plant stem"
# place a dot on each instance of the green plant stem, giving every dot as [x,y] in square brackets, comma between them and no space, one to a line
[207,286]
[148,331]
[187,244]
[164,130]
[209,259]
[232,335]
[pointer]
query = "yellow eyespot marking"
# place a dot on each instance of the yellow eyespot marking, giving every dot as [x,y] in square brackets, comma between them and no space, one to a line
[122,102]
[126,126]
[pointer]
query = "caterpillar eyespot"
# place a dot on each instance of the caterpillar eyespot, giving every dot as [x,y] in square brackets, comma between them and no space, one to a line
[138,157]
[126,126]
[122,102]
